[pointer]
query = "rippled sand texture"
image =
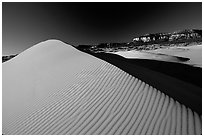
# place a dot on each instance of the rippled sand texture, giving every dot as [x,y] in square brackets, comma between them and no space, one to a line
[52,88]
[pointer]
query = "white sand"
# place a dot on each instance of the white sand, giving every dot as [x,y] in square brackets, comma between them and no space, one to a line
[52,88]
[194,53]
[133,54]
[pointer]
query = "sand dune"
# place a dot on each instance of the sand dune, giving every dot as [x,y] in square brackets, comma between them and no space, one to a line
[191,55]
[52,88]
[150,55]
[192,52]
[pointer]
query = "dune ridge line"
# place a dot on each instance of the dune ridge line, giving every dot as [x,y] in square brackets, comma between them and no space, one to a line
[52,88]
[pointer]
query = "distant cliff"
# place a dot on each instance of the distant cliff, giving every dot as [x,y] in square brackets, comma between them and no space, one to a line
[145,42]
[149,42]
[175,36]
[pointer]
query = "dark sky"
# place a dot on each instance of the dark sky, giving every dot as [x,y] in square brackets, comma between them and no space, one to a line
[26,24]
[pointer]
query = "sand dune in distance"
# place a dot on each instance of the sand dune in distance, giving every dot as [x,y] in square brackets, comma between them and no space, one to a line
[52,88]
[151,56]
[191,55]
[193,52]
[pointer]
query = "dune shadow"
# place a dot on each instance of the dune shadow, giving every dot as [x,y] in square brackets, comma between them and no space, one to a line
[180,81]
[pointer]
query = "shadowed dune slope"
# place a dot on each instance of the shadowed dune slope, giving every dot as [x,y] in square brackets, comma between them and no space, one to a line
[52,88]
[180,81]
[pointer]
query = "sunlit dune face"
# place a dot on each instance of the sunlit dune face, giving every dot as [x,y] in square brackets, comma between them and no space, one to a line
[66,91]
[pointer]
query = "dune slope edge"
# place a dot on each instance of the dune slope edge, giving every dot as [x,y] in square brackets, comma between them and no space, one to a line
[52,88]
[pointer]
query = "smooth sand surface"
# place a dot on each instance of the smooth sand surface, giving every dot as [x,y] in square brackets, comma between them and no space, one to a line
[171,54]
[52,88]
[133,54]
[192,52]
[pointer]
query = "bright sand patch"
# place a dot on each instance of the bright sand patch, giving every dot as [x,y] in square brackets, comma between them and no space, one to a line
[194,53]
[52,88]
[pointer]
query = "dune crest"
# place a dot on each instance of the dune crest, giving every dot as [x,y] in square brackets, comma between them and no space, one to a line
[52,88]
